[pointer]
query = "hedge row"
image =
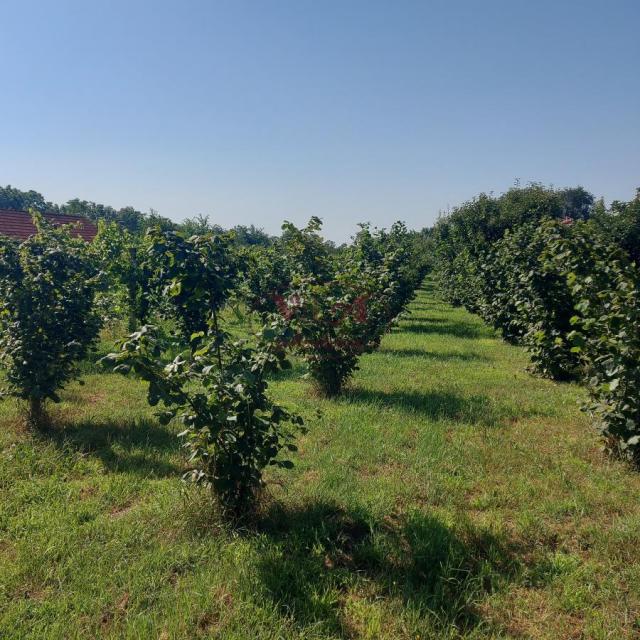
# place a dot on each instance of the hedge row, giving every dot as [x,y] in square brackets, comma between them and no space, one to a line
[558,273]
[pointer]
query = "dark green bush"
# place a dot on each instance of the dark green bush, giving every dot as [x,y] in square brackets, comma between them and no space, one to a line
[547,305]
[465,238]
[527,299]
[501,284]
[267,278]
[620,224]
[48,321]
[391,257]
[559,275]
[605,286]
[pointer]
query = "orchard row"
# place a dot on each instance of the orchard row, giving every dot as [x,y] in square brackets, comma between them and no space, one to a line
[558,273]
[175,290]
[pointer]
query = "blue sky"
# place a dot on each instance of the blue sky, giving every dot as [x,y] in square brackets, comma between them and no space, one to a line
[255,112]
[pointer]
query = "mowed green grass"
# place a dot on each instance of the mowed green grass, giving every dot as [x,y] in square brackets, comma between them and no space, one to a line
[448,494]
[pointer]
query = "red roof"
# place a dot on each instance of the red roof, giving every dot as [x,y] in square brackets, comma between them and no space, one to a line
[18,224]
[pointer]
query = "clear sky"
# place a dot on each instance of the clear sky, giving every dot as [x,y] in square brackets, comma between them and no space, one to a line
[255,112]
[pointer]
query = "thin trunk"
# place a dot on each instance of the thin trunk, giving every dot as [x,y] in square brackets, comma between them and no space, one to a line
[215,326]
[133,320]
[36,414]
[132,291]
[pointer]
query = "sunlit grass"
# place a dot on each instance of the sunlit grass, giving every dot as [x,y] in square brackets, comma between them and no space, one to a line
[447,494]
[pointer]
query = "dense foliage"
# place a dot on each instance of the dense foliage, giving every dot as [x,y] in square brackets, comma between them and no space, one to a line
[609,329]
[122,257]
[13,198]
[196,274]
[47,317]
[400,254]
[242,235]
[531,303]
[464,237]
[620,224]
[217,388]
[267,278]
[557,273]
[333,324]
[605,288]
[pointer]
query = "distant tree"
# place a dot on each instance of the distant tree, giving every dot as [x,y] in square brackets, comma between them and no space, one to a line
[12,198]
[154,220]
[198,226]
[621,224]
[578,203]
[128,218]
[243,236]
[251,236]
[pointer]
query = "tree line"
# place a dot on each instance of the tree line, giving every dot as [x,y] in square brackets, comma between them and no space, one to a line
[127,218]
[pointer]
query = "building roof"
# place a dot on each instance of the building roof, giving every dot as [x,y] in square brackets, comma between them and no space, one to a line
[18,224]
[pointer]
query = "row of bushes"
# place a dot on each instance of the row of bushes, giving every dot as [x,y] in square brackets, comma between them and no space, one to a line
[558,273]
[328,306]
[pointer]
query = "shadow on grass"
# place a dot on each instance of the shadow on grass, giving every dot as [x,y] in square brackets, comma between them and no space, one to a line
[410,319]
[134,447]
[92,365]
[436,405]
[297,370]
[436,355]
[447,327]
[426,306]
[317,552]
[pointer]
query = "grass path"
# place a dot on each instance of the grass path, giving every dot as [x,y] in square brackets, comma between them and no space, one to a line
[449,494]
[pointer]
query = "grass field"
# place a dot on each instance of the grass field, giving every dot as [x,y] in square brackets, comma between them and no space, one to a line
[448,494]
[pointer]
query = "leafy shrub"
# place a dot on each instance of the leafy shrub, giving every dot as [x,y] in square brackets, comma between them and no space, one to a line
[460,280]
[557,274]
[196,274]
[501,285]
[329,321]
[391,258]
[548,305]
[48,321]
[339,306]
[269,272]
[528,299]
[606,288]
[122,256]
[306,252]
[620,224]
[233,430]
[267,278]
